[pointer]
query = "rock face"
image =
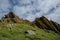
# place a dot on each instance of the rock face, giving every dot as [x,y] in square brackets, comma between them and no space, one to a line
[11,18]
[44,23]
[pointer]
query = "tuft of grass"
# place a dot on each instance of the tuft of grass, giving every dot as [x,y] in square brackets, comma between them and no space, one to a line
[18,33]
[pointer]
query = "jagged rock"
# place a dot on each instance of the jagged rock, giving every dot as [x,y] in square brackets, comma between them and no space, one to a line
[11,18]
[57,26]
[44,23]
[10,15]
[41,22]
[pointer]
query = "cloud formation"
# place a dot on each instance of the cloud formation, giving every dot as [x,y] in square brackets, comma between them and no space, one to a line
[31,9]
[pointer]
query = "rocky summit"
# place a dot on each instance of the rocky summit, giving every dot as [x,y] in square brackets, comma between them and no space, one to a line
[46,24]
[42,22]
[11,18]
[14,28]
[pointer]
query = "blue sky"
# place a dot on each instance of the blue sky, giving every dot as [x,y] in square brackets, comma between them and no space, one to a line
[31,9]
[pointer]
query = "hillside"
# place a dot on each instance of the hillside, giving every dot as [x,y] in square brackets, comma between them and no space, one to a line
[11,18]
[14,28]
[26,32]
[46,24]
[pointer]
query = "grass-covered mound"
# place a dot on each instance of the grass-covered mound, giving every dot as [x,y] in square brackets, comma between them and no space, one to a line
[19,32]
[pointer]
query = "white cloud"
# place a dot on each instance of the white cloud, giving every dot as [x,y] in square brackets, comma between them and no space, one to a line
[4,5]
[31,9]
[55,16]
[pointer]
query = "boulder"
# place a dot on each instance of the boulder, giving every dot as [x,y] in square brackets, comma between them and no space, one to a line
[31,32]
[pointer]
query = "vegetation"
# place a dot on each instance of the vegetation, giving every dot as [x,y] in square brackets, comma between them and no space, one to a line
[18,33]
[14,28]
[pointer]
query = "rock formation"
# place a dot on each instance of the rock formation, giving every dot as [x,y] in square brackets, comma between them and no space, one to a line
[11,18]
[44,23]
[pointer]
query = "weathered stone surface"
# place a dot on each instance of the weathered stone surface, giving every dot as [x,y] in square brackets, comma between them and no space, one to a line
[31,32]
[11,18]
[44,23]
[10,26]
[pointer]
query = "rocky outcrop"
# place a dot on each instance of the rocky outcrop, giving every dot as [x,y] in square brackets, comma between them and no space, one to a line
[31,32]
[44,23]
[11,18]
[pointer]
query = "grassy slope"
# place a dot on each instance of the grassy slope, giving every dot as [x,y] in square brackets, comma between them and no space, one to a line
[18,33]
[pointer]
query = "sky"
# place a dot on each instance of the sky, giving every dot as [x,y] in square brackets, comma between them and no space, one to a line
[32,9]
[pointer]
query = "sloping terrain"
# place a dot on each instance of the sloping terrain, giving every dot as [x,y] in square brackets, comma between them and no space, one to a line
[19,32]
[14,28]
[44,23]
[11,18]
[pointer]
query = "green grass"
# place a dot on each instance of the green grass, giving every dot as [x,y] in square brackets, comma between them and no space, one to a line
[18,33]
